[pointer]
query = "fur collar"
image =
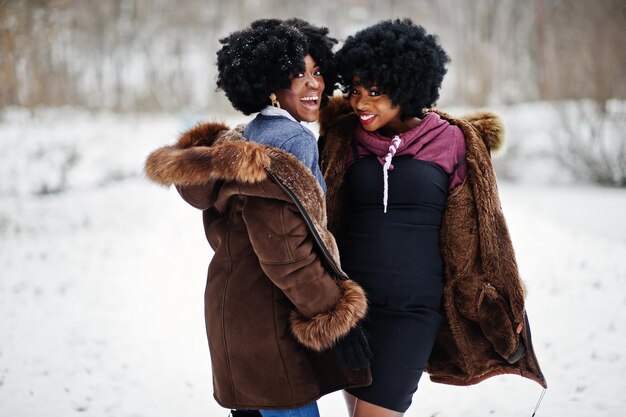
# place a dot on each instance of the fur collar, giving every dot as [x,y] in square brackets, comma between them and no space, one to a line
[212,151]
[208,152]
[488,125]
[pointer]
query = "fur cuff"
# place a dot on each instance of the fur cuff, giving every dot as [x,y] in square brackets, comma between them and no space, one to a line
[321,331]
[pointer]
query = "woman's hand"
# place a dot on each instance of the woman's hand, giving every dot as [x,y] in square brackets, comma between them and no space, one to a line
[353,349]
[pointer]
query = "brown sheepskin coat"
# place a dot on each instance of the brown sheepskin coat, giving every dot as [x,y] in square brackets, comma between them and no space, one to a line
[276,298]
[483,300]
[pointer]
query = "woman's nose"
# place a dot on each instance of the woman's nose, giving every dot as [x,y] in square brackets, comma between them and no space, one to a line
[359,102]
[312,82]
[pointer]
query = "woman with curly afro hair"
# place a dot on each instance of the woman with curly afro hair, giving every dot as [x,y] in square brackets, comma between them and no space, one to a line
[284,70]
[413,201]
[280,312]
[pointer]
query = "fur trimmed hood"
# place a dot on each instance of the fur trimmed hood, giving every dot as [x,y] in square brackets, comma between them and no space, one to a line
[212,151]
[208,152]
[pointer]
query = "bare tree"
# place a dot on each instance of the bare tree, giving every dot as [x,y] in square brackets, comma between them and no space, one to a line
[591,143]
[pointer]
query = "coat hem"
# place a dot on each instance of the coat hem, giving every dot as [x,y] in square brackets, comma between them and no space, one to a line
[236,406]
[450,380]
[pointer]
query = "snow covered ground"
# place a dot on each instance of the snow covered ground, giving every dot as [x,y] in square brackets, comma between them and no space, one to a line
[102,278]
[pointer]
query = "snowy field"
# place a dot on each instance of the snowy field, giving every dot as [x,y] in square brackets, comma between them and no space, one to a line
[102,277]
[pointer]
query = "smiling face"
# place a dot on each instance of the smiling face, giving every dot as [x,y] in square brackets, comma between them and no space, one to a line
[376,111]
[302,99]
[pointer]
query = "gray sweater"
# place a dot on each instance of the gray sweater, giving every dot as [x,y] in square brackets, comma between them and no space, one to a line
[289,136]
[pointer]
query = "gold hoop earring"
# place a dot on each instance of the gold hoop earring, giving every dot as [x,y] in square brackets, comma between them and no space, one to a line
[274,100]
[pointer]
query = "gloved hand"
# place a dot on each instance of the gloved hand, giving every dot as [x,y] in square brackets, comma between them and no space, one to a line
[353,350]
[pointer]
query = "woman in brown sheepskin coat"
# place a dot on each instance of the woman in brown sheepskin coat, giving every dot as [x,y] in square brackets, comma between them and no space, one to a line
[413,201]
[276,299]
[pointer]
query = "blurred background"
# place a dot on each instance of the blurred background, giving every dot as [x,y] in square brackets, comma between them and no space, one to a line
[102,273]
[129,55]
[159,56]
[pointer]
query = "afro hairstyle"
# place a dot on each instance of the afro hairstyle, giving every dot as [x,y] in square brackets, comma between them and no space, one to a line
[258,60]
[399,57]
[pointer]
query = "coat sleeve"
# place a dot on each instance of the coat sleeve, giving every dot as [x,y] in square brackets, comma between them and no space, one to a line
[325,309]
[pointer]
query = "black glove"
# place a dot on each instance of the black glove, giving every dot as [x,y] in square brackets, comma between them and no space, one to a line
[353,349]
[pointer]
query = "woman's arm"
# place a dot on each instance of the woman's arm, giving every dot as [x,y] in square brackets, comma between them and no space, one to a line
[326,309]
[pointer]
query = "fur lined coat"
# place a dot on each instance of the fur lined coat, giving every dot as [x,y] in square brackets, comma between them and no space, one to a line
[485,319]
[276,298]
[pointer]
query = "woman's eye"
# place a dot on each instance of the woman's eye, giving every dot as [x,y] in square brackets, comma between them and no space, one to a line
[354,92]
[375,93]
[317,73]
[298,75]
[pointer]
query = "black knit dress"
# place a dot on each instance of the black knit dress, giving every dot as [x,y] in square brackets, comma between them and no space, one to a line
[395,257]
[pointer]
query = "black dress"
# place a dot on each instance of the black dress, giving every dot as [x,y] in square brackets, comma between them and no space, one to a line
[395,257]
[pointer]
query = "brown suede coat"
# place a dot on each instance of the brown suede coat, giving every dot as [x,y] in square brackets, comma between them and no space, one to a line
[484,296]
[276,298]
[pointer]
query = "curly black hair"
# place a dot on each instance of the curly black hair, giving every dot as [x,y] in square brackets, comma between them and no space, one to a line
[259,60]
[405,62]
